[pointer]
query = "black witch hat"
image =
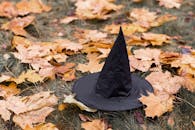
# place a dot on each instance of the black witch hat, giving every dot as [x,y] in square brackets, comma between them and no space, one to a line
[115,88]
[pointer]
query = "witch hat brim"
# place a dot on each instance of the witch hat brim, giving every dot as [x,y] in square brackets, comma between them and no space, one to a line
[90,89]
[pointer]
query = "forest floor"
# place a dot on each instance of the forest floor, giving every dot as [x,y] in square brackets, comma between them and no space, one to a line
[45,28]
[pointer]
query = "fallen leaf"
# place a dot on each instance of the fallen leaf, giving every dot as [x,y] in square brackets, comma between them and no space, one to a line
[96,9]
[69,76]
[96,124]
[128,28]
[4,78]
[92,47]
[92,66]
[8,91]
[71,100]
[32,117]
[25,7]
[84,118]
[4,112]
[85,35]
[156,39]
[69,45]
[137,64]
[171,58]
[62,106]
[170,3]
[104,53]
[161,104]
[17,25]
[189,82]
[137,1]
[166,83]
[48,126]
[143,16]
[29,75]
[147,54]
[147,19]
[7,9]
[68,19]
[139,117]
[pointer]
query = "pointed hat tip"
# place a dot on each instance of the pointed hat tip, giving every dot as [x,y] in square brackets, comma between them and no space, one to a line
[120,32]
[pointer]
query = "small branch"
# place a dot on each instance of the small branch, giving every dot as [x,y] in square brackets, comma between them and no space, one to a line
[181,99]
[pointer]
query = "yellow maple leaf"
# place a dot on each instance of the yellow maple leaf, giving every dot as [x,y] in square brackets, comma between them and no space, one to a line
[30,76]
[25,7]
[95,9]
[170,3]
[7,9]
[128,28]
[96,124]
[47,126]
[157,104]
[10,90]
[92,66]
[17,25]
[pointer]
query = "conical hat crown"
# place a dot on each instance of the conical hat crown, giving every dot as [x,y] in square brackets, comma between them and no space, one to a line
[115,78]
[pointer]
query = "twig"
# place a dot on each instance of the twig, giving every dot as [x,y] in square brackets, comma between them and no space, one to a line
[181,99]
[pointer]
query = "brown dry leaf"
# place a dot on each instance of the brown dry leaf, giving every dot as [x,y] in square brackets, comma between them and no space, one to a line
[62,106]
[136,40]
[143,16]
[71,100]
[26,104]
[8,91]
[18,40]
[137,1]
[147,19]
[170,3]
[104,53]
[148,55]
[48,126]
[166,83]
[95,9]
[189,82]
[32,117]
[25,7]
[128,29]
[161,103]
[17,25]
[4,78]
[84,117]
[68,45]
[92,66]
[68,19]
[20,105]
[69,76]
[5,114]
[163,19]
[67,72]
[137,64]
[29,75]
[156,39]
[92,47]
[97,124]
[171,58]
[85,35]
[7,9]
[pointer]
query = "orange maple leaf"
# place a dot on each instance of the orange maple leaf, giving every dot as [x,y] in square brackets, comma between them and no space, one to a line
[92,66]
[17,25]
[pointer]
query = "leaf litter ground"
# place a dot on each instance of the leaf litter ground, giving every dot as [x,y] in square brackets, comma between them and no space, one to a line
[46,27]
